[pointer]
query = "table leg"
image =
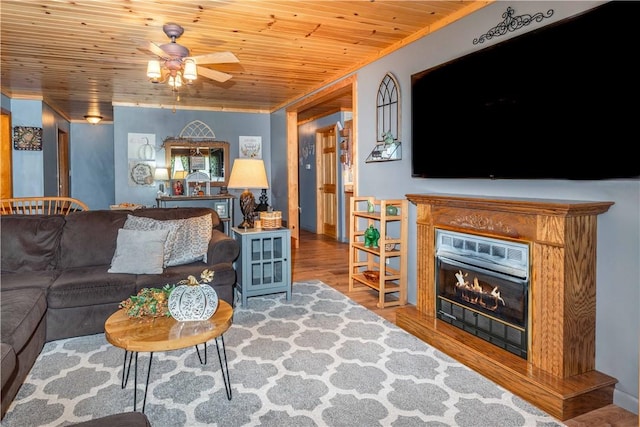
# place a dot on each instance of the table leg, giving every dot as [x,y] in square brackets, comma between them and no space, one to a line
[135,382]
[126,369]
[205,354]
[224,367]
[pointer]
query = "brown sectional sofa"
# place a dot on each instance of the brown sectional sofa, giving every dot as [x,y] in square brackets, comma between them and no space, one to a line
[55,282]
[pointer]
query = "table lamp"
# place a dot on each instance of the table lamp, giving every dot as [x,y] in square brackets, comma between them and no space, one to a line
[245,174]
[162,175]
[179,174]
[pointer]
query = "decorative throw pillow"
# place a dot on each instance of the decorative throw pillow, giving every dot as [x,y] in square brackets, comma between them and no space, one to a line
[142,223]
[139,252]
[192,240]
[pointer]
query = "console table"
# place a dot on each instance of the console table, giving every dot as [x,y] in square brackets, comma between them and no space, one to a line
[222,203]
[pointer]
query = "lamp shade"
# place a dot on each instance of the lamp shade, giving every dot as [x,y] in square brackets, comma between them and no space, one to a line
[179,174]
[248,173]
[153,69]
[190,72]
[161,174]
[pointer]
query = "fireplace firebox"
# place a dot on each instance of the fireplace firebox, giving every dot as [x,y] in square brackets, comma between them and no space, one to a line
[482,287]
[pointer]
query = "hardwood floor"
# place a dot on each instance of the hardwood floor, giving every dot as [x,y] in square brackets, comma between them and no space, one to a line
[325,259]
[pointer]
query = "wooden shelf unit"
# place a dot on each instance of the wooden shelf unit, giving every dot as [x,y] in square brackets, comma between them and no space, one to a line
[391,264]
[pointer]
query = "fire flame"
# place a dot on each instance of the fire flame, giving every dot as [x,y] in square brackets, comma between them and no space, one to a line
[474,294]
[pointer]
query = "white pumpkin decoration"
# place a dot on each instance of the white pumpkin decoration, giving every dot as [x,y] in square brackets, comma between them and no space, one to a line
[147,151]
[191,300]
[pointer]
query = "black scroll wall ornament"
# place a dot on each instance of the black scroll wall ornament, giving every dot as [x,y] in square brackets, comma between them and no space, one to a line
[512,23]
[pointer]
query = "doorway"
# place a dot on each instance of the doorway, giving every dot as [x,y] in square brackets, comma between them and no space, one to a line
[6,162]
[64,184]
[327,178]
[325,100]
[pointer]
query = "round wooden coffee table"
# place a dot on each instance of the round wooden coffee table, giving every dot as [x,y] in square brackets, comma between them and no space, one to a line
[151,334]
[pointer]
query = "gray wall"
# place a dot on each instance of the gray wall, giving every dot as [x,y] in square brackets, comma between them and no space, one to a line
[28,166]
[92,172]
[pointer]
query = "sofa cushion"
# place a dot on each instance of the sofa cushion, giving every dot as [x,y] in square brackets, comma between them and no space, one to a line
[22,310]
[30,242]
[87,286]
[139,252]
[8,364]
[32,279]
[143,224]
[89,238]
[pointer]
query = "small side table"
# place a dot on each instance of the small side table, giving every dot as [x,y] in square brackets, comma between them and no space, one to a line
[164,334]
[264,264]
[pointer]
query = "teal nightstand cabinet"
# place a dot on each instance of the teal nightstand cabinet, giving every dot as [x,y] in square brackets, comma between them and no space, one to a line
[264,264]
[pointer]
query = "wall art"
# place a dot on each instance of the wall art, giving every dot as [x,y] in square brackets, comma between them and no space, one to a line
[142,146]
[141,173]
[251,147]
[27,138]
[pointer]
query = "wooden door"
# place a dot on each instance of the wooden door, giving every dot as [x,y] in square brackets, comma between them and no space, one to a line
[6,169]
[327,175]
[63,164]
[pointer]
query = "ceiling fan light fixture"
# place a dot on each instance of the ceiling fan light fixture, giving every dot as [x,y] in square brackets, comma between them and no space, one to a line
[175,82]
[153,69]
[93,119]
[190,71]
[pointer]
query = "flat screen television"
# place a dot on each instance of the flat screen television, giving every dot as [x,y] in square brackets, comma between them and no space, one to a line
[558,102]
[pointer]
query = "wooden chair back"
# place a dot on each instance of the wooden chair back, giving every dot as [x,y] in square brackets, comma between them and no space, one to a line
[41,206]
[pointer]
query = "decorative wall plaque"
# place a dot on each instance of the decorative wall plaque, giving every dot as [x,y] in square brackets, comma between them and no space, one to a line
[27,138]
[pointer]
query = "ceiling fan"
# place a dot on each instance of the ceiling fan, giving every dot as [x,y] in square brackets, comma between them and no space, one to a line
[176,67]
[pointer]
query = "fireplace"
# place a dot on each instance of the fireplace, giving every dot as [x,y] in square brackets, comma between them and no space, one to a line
[544,270]
[482,287]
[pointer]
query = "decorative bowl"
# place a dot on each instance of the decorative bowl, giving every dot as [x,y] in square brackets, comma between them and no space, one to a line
[371,275]
[389,246]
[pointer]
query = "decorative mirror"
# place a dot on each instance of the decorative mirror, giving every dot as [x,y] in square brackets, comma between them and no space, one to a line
[196,153]
[185,157]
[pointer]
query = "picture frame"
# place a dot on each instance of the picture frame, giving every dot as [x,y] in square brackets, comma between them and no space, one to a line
[221,209]
[197,188]
[250,147]
[196,162]
[27,138]
[140,173]
[178,187]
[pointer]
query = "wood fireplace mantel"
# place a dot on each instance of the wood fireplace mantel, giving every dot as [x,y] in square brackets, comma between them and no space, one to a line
[559,376]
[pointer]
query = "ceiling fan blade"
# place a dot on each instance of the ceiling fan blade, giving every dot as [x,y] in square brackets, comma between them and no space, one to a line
[155,49]
[213,74]
[215,58]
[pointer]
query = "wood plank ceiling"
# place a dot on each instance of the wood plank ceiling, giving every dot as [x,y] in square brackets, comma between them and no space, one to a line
[82,57]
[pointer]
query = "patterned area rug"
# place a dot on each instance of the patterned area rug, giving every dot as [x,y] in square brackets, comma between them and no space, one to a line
[317,360]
